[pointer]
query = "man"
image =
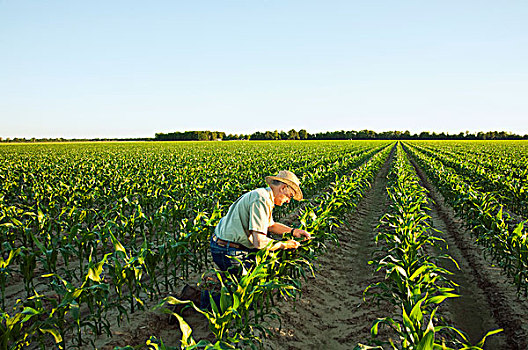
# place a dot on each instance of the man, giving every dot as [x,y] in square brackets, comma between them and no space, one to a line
[244,230]
[249,219]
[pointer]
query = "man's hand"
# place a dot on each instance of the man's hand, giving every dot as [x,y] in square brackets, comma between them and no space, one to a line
[290,244]
[301,233]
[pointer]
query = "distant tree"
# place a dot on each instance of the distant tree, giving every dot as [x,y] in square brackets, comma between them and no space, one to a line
[351,135]
[257,136]
[425,135]
[361,135]
[293,135]
[339,135]
[303,134]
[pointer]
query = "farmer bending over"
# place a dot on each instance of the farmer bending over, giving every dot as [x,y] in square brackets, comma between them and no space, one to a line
[245,226]
[244,230]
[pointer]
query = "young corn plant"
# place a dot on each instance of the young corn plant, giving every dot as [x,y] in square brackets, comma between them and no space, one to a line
[127,270]
[5,271]
[241,309]
[32,324]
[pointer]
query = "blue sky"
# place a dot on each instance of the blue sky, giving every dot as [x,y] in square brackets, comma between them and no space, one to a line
[133,68]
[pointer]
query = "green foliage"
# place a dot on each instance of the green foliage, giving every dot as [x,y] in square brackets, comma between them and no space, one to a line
[112,224]
[413,283]
[502,236]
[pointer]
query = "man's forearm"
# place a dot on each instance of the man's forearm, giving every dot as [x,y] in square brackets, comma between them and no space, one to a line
[260,241]
[279,229]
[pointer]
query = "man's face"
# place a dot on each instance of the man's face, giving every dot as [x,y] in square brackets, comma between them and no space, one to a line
[285,195]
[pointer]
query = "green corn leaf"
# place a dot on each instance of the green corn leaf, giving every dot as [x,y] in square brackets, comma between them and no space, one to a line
[427,342]
[225,300]
[93,275]
[16,222]
[407,322]
[418,272]
[117,245]
[30,311]
[375,328]
[55,333]
[440,298]
[490,333]
[38,243]
[75,310]
[12,254]
[186,330]
[416,314]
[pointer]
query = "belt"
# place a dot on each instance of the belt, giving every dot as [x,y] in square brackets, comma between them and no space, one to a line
[223,243]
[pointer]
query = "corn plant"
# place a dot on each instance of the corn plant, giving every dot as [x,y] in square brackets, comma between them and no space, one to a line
[237,315]
[5,271]
[33,324]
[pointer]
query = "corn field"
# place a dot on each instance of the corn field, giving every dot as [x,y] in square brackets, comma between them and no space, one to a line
[93,233]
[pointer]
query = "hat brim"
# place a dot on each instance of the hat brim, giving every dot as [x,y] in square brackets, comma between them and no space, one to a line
[298,193]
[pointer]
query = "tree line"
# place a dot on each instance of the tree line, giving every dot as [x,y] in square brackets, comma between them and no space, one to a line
[301,134]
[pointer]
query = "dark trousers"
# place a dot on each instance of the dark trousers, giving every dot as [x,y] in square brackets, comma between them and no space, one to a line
[223,258]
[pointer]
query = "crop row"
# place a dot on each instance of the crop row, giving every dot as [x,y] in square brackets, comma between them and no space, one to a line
[505,157]
[504,239]
[414,283]
[510,190]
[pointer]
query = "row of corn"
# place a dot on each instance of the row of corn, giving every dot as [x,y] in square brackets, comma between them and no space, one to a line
[413,283]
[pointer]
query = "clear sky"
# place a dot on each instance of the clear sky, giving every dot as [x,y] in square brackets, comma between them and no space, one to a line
[83,69]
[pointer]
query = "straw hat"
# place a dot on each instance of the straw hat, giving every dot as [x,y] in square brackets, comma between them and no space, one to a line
[290,179]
